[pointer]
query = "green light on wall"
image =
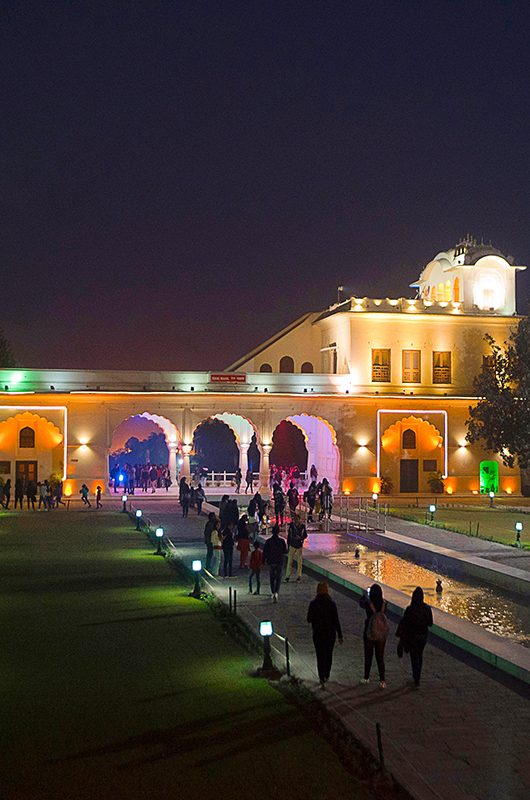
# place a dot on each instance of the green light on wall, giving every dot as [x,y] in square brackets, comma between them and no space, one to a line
[489,477]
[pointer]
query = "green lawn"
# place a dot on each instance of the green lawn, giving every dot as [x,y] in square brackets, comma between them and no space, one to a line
[115,684]
[493,523]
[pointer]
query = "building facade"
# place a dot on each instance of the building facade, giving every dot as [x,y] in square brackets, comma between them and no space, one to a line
[379,387]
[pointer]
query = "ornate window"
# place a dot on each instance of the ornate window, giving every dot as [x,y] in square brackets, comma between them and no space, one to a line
[456,290]
[307,367]
[265,368]
[408,441]
[381,366]
[411,366]
[286,364]
[441,367]
[26,437]
[448,291]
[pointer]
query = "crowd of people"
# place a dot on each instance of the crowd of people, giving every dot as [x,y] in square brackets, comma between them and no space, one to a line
[44,495]
[228,531]
[146,477]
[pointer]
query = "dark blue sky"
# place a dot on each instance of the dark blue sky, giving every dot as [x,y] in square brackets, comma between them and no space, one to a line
[180,180]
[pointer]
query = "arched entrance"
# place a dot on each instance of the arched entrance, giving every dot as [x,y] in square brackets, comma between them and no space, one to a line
[32,448]
[489,477]
[411,454]
[139,440]
[288,453]
[319,447]
[224,442]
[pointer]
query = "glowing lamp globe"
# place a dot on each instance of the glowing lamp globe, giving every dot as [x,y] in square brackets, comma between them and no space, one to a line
[138,513]
[159,533]
[432,508]
[196,565]
[519,526]
[375,496]
[120,478]
[124,498]
[181,461]
[492,495]
[265,628]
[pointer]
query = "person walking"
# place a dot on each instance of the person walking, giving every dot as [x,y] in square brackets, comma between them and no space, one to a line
[311,499]
[7,493]
[84,495]
[296,535]
[326,500]
[185,498]
[293,499]
[228,550]
[279,503]
[249,478]
[42,495]
[200,497]
[99,504]
[273,555]
[59,495]
[31,490]
[322,614]
[256,561]
[238,477]
[208,530]
[375,632]
[243,540]
[19,492]
[413,631]
[217,544]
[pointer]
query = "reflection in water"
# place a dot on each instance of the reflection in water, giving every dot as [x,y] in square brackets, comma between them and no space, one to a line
[469,600]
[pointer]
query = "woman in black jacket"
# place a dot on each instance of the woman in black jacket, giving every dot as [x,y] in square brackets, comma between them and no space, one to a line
[373,603]
[323,616]
[413,631]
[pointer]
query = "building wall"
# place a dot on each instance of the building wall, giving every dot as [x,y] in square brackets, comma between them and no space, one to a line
[92,418]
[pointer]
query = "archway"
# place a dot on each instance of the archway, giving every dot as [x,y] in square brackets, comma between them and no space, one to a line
[321,443]
[489,477]
[32,448]
[142,439]
[225,441]
[411,454]
[288,452]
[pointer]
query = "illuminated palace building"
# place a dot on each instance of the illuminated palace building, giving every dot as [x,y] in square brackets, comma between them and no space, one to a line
[374,392]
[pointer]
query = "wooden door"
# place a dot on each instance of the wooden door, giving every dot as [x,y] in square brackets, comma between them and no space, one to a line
[408,475]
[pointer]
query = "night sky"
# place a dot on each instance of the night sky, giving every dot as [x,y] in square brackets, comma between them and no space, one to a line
[181,180]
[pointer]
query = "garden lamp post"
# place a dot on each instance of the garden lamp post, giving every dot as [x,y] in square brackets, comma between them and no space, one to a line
[124,501]
[374,498]
[432,511]
[518,529]
[492,497]
[138,518]
[159,533]
[196,566]
[266,631]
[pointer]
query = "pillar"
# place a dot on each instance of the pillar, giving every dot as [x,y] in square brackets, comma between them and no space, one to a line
[172,447]
[264,466]
[243,457]
[186,450]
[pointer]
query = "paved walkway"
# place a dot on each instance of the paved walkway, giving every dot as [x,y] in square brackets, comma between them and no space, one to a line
[462,735]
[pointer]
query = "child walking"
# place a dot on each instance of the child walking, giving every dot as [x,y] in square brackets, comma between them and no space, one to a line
[98,497]
[256,561]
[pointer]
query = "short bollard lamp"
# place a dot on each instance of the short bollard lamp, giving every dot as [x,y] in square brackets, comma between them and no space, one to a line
[196,566]
[432,511]
[124,501]
[138,518]
[492,498]
[159,533]
[266,631]
[518,529]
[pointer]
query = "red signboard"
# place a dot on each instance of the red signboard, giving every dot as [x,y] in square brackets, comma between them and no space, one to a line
[228,377]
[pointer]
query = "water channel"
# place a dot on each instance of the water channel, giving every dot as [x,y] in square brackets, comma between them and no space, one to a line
[492,608]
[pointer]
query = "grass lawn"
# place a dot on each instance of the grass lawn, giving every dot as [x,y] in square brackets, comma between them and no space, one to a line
[115,684]
[494,523]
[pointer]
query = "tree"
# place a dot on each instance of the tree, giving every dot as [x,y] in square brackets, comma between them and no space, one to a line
[7,359]
[501,418]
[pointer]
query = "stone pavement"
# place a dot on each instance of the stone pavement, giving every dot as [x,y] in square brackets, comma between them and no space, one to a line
[462,735]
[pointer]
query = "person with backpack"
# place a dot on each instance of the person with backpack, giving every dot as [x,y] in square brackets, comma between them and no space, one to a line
[375,632]
[200,497]
[322,614]
[311,499]
[273,555]
[413,631]
[296,536]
